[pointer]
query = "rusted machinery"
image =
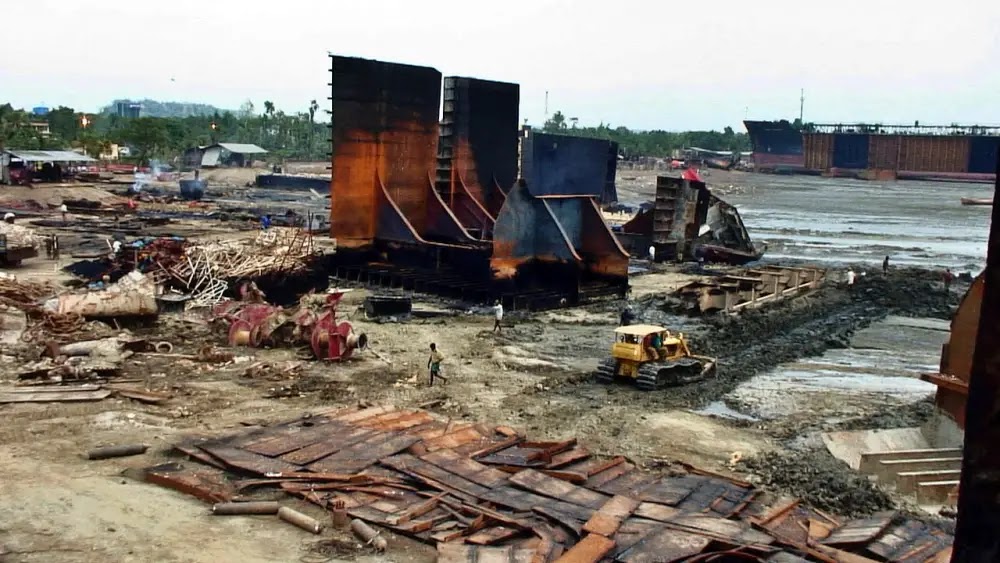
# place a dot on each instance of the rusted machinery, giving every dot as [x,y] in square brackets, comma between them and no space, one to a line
[313,323]
[415,199]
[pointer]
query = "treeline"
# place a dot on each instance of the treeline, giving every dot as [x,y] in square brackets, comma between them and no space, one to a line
[660,144]
[295,135]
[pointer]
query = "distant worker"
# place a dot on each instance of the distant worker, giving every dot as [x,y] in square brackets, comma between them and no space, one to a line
[627,316]
[131,204]
[265,222]
[851,277]
[434,364]
[652,254]
[885,266]
[947,277]
[497,315]
[656,343]
[8,218]
[64,210]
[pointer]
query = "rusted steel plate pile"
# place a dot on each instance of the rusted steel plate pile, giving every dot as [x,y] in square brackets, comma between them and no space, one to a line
[491,494]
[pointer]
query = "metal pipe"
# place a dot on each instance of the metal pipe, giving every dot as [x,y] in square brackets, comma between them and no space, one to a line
[164,347]
[295,517]
[976,538]
[368,535]
[117,451]
[257,507]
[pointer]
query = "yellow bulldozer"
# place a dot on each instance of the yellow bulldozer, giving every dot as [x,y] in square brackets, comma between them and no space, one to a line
[654,357]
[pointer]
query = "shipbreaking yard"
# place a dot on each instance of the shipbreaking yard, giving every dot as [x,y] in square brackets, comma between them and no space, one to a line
[819,360]
[186,383]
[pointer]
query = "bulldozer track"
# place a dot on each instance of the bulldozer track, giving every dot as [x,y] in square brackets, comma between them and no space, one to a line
[606,371]
[657,375]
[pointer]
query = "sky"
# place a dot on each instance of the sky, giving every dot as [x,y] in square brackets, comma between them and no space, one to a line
[643,64]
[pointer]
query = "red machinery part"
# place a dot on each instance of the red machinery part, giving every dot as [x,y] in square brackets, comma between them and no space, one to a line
[335,341]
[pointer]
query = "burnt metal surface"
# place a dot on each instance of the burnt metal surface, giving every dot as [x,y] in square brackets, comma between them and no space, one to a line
[479,143]
[455,485]
[748,289]
[563,165]
[979,494]
[567,231]
[385,129]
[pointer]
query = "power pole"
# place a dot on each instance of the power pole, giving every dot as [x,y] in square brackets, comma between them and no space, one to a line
[546,105]
[802,103]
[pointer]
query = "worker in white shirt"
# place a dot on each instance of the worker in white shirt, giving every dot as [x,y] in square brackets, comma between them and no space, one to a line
[652,254]
[64,210]
[497,315]
[851,276]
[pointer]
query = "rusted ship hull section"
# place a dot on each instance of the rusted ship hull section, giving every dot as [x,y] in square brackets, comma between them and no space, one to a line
[411,201]
[687,222]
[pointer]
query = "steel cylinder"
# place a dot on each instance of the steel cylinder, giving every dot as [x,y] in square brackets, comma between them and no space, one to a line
[295,517]
[117,451]
[258,507]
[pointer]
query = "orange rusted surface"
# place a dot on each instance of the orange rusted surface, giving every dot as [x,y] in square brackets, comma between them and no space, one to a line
[925,153]
[883,152]
[818,150]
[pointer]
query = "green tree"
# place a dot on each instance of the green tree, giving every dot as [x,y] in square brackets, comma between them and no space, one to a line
[555,123]
[147,135]
[64,121]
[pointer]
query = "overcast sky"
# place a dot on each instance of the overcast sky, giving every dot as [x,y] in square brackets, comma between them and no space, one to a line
[644,64]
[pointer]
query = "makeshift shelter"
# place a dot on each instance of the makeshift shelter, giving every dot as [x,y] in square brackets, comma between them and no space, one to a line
[223,154]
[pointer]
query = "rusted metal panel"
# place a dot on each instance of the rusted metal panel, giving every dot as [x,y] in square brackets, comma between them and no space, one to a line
[385,125]
[609,517]
[589,550]
[663,546]
[209,485]
[926,153]
[976,536]
[818,150]
[480,127]
[883,152]
[556,488]
[561,165]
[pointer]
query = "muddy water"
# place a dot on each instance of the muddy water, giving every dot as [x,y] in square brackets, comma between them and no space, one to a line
[883,364]
[850,221]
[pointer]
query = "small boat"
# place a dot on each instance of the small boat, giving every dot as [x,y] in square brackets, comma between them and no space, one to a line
[977,201]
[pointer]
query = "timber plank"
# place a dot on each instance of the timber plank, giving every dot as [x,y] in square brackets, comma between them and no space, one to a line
[359,456]
[332,443]
[588,550]
[609,517]
[542,484]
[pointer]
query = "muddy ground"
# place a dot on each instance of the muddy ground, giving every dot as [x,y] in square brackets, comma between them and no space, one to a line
[535,375]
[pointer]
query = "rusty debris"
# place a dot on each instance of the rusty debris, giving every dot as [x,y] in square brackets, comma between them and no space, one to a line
[477,491]
[748,289]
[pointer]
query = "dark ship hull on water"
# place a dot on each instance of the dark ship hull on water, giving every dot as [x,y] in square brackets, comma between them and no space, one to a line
[777,146]
[877,152]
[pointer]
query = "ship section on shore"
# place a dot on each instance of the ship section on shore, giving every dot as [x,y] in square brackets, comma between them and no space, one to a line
[877,152]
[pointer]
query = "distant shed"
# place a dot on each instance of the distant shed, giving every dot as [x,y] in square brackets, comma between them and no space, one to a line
[222,154]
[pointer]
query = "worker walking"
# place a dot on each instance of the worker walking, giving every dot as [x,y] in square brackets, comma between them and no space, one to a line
[652,254]
[627,316]
[434,364]
[851,277]
[64,210]
[497,315]
[947,278]
[885,266]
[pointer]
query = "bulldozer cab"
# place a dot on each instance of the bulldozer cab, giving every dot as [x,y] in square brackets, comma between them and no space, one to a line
[635,342]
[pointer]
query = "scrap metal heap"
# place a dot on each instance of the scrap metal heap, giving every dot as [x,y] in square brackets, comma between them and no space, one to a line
[413,199]
[483,493]
[688,222]
[748,289]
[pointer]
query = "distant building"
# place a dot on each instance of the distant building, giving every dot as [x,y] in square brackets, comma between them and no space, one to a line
[39,111]
[128,109]
[40,127]
[222,154]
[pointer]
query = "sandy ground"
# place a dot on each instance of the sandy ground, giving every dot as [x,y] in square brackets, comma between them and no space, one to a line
[535,376]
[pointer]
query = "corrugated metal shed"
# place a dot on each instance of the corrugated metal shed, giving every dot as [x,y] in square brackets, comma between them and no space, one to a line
[241,148]
[50,156]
